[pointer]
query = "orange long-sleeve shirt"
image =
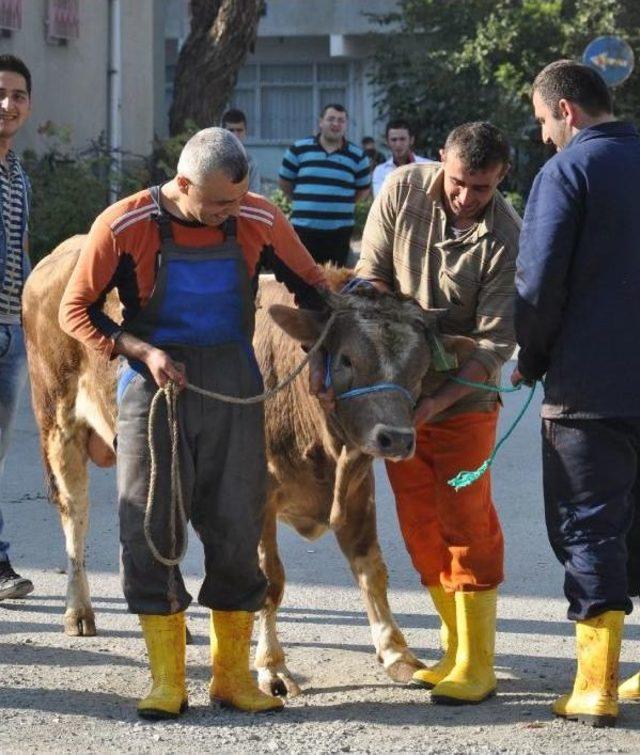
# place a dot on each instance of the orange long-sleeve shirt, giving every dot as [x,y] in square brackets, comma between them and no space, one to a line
[121,252]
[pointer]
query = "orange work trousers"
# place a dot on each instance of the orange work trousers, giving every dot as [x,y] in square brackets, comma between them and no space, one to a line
[454,539]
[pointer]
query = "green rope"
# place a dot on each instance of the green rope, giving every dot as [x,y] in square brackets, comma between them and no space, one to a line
[485,386]
[462,479]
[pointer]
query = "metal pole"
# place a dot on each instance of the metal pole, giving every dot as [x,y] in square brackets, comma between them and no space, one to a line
[114,126]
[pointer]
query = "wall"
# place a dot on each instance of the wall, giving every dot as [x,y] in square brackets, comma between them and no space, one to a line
[312,17]
[70,81]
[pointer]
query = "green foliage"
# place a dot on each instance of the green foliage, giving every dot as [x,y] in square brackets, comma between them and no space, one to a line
[282,201]
[416,70]
[516,200]
[164,158]
[444,62]
[71,188]
[68,191]
[361,213]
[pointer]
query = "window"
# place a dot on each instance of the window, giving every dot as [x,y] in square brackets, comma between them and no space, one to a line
[10,15]
[283,101]
[63,20]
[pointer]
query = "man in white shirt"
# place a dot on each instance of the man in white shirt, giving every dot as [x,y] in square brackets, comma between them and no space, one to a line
[400,139]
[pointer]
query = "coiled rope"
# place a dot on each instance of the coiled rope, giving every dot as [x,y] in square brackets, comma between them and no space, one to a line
[169,394]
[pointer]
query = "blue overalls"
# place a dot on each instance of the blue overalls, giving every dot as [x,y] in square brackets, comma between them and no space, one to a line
[201,313]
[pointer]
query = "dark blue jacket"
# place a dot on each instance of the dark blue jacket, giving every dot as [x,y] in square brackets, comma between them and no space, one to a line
[578,277]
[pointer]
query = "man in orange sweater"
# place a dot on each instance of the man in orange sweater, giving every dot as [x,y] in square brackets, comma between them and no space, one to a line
[184,258]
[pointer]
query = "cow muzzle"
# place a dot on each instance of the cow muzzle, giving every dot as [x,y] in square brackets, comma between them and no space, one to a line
[394,443]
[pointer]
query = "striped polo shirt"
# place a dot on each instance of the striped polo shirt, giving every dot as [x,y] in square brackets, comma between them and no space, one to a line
[324,183]
[11,188]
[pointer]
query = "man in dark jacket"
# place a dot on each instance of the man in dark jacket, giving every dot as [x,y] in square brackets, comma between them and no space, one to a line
[577,324]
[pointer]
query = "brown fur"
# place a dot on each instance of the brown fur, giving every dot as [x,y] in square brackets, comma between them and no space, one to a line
[61,370]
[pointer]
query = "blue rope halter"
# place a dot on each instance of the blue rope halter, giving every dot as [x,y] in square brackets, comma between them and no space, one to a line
[356,392]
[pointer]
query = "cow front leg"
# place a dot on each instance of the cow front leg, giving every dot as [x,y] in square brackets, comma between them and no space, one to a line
[351,469]
[66,457]
[274,678]
[359,542]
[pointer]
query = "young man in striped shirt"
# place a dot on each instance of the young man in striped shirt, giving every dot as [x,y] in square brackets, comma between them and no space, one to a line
[15,107]
[325,175]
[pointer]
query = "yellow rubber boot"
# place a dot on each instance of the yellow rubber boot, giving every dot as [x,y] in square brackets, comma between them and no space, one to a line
[232,684]
[165,637]
[594,699]
[472,678]
[446,607]
[630,689]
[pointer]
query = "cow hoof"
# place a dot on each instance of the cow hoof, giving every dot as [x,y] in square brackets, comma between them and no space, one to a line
[280,684]
[79,623]
[403,671]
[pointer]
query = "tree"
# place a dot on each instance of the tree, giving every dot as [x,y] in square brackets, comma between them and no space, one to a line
[519,38]
[444,62]
[415,73]
[222,33]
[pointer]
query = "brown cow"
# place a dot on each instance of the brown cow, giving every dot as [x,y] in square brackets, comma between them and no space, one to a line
[319,467]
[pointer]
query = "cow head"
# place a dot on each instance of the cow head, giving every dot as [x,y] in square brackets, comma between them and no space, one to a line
[375,339]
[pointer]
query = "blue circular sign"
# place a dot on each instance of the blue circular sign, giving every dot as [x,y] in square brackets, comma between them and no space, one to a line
[611,57]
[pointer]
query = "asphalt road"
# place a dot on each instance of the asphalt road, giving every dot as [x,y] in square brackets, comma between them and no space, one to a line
[61,694]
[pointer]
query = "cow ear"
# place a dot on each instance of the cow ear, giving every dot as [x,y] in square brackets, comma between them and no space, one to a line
[302,325]
[462,346]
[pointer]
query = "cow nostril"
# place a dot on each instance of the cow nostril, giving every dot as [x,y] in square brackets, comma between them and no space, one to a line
[409,446]
[384,441]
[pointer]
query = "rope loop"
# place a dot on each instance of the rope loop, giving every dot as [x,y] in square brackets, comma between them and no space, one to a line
[170,393]
[177,509]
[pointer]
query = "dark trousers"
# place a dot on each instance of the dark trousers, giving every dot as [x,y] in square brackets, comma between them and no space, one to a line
[590,474]
[633,544]
[327,246]
[223,476]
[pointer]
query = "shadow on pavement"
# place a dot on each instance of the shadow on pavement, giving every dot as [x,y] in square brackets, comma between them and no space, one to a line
[520,709]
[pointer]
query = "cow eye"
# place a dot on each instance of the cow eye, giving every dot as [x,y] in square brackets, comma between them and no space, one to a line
[345,361]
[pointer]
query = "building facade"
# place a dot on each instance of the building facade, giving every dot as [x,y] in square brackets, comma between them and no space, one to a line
[308,53]
[66,44]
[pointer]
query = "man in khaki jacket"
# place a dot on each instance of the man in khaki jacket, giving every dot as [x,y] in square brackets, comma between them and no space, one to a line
[442,234]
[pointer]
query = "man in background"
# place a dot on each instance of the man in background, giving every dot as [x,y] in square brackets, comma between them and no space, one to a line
[234,120]
[372,152]
[325,175]
[400,140]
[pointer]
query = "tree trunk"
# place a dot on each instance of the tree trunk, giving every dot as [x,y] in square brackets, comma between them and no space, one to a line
[222,33]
